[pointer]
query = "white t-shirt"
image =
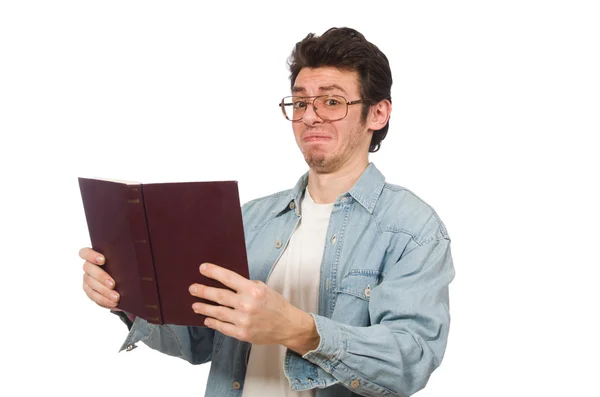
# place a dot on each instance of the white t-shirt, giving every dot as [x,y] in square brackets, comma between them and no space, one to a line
[296,277]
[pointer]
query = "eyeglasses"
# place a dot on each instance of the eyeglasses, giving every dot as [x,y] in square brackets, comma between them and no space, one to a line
[327,107]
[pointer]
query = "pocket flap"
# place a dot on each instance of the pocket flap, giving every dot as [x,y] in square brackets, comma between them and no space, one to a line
[360,283]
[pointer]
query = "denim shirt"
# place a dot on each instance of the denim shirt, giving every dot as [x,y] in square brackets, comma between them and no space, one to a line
[383,316]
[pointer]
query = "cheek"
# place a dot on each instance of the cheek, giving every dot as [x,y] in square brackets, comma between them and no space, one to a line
[297,133]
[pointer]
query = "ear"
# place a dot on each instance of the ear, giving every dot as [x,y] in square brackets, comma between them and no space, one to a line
[379,114]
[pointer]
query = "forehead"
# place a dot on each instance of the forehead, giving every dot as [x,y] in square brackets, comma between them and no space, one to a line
[312,81]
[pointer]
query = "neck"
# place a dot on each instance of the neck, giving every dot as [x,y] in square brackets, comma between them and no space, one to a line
[326,187]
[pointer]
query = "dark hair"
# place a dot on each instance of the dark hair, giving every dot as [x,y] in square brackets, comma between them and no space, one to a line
[347,49]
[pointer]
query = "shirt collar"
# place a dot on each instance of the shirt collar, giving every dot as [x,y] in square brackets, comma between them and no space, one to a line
[365,191]
[368,188]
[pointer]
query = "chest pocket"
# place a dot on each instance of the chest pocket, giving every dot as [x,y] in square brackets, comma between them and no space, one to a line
[354,294]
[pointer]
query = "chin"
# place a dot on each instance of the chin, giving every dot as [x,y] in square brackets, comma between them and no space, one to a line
[321,162]
[315,156]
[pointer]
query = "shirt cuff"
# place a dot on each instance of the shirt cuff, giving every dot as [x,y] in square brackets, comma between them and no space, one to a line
[331,344]
[139,331]
[127,318]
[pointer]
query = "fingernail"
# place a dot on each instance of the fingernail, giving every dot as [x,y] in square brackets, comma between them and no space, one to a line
[110,283]
[100,259]
[114,296]
[203,267]
[193,289]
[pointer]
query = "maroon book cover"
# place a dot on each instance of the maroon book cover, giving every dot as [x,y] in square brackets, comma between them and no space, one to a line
[155,236]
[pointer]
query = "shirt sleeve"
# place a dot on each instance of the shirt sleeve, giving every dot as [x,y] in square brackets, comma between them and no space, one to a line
[193,344]
[127,318]
[409,313]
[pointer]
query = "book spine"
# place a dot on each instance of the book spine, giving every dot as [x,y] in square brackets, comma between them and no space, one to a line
[143,249]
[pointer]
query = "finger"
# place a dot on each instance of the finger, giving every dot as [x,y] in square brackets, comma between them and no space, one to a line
[225,276]
[92,256]
[98,298]
[101,289]
[227,329]
[221,313]
[223,297]
[97,273]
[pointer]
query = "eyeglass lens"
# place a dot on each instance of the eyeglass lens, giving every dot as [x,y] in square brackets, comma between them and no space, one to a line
[327,107]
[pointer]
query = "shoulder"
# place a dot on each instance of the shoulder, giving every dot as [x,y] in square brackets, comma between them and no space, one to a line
[265,207]
[401,210]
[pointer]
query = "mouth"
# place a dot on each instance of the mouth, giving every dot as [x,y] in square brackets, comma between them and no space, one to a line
[316,138]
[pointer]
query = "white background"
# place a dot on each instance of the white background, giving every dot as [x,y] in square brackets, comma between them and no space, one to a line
[495,122]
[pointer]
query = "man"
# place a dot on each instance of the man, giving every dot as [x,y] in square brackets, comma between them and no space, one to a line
[349,275]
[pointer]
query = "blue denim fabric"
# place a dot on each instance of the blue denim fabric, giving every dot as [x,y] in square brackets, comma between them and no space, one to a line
[383,303]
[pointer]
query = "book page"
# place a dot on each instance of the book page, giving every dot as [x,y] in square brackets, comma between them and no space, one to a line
[117,181]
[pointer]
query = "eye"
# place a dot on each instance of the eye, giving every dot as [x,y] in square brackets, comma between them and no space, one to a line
[331,102]
[298,104]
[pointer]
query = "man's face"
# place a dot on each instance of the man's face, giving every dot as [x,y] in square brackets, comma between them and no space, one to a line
[328,145]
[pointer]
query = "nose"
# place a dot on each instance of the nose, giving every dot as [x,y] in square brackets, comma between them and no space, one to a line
[310,117]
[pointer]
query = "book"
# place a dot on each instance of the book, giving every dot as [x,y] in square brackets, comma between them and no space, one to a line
[155,236]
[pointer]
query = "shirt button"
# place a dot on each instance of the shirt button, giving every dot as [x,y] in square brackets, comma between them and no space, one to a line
[333,238]
[368,291]
[278,244]
[130,347]
[354,384]
[292,205]
[236,385]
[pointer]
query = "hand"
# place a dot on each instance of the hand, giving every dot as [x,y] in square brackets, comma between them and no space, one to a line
[253,312]
[97,284]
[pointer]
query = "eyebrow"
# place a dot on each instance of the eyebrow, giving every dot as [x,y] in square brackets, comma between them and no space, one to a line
[325,88]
